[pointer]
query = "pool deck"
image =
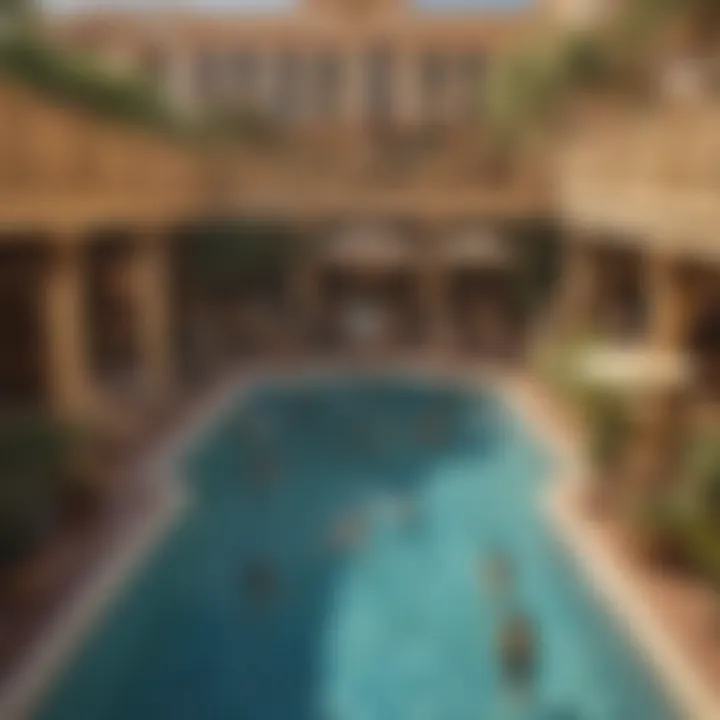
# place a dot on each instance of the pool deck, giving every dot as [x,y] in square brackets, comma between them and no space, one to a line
[673,620]
[645,604]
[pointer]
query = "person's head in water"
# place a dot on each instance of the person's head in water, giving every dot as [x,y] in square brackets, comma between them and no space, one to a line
[500,576]
[518,651]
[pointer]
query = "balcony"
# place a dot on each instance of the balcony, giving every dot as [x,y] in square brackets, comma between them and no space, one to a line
[423,176]
[62,168]
[648,176]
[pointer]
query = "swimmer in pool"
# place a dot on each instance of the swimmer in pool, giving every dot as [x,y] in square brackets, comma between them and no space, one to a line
[517,655]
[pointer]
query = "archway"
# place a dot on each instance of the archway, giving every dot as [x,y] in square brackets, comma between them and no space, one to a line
[22,370]
[234,288]
[704,344]
[111,313]
[370,281]
[482,286]
[621,302]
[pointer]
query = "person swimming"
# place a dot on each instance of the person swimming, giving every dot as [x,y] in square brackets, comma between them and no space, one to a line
[517,653]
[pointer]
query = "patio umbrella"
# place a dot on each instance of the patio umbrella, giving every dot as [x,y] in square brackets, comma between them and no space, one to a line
[634,369]
[370,247]
[477,248]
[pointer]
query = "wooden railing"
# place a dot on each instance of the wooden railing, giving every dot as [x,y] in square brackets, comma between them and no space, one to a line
[58,164]
[446,176]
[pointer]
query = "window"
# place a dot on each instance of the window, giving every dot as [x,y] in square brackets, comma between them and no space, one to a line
[246,69]
[153,65]
[208,81]
[471,72]
[433,84]
[328,85]
[288,77]
[380,88]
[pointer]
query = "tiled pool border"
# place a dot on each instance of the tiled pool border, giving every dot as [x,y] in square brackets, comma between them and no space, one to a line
[21,694]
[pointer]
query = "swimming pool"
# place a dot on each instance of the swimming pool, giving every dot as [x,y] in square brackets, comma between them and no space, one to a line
[331,566]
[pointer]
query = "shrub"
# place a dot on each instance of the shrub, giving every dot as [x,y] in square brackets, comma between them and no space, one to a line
[33,454]
[703,472]
[72,78]
[609,426]
[229,258]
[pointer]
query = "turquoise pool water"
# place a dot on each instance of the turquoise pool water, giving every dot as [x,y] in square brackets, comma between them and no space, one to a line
[331,567]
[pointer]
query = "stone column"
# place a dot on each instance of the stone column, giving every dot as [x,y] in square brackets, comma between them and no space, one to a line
[151,301]
[434,280]
[306,298]
[265,98]
[668,302]
[69,377]
[181,81]
[354,95]
[578,288]
[407,79]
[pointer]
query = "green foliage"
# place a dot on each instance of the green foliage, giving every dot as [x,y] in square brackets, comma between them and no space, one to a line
[658,527]
[686,518]
[33,454]
[73,79]
[17,10]
[609,427]
[557,365]
[229,258]
[605,413]
[531,87]
[534,86]
[31,444]
[703,472]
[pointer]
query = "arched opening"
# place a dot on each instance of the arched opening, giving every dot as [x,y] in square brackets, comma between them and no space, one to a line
[370,286]
[386,301]
[22,369]
[704,344]
[621,309]
[482,272]
[111,312]
[233,289]
[483,309]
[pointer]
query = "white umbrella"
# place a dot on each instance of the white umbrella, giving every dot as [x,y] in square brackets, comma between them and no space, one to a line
[638,368]
[477,248]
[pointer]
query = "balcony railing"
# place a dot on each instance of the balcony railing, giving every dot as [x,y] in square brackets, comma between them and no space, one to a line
[419,176]
[57,162]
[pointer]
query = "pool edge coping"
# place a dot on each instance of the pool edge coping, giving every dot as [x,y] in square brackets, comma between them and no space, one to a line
[689,692]
[23,692]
